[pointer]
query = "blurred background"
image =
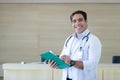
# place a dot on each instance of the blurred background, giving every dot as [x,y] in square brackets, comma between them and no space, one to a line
[31,27]
[28,29]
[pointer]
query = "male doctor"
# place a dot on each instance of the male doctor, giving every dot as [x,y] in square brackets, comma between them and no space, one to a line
[82,50]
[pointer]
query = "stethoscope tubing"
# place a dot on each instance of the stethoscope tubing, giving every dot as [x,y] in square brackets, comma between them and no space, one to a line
[81,46]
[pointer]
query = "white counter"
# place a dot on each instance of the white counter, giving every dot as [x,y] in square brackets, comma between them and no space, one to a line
[27,71]
[14,71]
[46,66]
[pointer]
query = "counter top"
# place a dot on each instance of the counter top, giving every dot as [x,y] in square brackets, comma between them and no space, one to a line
[109,66]
[46,66]
[25,66]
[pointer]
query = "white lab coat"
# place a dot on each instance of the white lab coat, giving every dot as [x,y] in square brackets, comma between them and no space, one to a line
[90,55]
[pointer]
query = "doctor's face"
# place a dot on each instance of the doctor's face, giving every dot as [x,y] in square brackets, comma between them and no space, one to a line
[79,24]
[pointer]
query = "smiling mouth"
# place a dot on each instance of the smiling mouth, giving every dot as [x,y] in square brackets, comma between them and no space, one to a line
[78,27]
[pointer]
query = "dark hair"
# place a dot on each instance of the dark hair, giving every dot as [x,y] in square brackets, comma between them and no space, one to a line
[84,14]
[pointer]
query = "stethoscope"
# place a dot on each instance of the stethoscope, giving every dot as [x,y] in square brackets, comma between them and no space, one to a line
[85,38]
[84,41]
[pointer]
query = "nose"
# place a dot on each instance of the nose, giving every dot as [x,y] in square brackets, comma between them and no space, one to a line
[78,23]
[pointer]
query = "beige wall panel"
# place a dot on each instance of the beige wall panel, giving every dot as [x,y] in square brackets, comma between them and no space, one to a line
[26,30]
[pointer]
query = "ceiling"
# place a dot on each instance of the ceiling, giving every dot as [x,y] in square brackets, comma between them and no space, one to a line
[59,1]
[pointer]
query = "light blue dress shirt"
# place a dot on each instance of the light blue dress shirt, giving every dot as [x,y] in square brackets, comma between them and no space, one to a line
[81,49]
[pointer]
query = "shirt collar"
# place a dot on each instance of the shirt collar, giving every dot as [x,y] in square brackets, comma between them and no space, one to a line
[82,34]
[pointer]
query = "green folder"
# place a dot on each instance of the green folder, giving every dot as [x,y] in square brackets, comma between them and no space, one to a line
[51,56]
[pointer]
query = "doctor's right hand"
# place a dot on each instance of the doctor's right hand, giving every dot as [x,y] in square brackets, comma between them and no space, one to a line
[66,58]
[52,63]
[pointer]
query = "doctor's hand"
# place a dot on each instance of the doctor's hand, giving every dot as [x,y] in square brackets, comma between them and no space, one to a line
[66,58]
[52,63]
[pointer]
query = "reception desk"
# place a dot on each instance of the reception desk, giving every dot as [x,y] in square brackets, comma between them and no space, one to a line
[44,72]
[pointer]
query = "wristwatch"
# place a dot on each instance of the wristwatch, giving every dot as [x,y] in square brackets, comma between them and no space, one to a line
[72,63]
